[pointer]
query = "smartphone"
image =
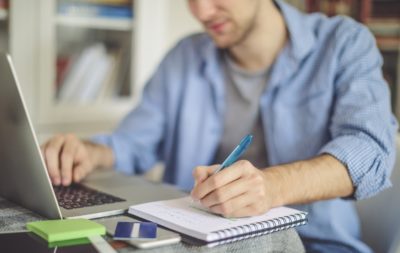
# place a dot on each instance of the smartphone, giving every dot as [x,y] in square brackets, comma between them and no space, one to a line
[29,242]
[164,237]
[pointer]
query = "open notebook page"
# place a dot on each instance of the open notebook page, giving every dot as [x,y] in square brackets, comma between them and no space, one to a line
[189,218]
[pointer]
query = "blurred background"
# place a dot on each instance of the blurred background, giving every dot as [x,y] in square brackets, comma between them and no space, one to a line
[82,64]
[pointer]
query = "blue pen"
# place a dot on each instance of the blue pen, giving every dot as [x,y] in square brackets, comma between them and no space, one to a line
[236,153]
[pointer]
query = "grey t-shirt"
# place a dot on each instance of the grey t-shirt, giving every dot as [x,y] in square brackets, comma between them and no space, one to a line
[242,112]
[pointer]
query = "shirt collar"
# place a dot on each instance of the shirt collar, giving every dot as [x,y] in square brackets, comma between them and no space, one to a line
[301,43]
[301,36]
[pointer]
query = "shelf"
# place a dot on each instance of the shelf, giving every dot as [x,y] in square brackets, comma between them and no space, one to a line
[107,111]
[121,24]
[3,14]
[388,43]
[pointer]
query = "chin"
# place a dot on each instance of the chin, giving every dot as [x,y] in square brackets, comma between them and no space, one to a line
[223,42]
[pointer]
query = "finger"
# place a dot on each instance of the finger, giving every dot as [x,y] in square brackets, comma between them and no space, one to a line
[227,192]
[80,171]
[220,179]
[82,164]
[51,155]
[67,161]
[200,173]
[80,154]
[233,205]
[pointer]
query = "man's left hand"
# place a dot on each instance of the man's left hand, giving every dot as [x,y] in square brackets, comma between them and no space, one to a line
[237,191]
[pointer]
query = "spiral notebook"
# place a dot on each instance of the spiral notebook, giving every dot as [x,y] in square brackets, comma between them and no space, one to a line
[190,219]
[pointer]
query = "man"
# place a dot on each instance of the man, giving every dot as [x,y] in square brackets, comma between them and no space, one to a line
[309,88]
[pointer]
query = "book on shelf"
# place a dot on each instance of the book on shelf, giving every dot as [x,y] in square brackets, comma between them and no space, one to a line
[94,79]
[384,27]
[108,87]
[4,4]
[78,9]
[63,64]
[390,71]
[3,9]
[3,14]
[123,81]
[102,2]
[93,75]
[385,9]
[357,9]
[388,43]
[361,10]
[75,77]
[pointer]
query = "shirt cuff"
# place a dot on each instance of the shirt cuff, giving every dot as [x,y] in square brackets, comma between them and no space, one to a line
[122,160]
[365,161]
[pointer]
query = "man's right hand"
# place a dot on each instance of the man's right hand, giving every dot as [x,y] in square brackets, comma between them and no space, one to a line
[70,159]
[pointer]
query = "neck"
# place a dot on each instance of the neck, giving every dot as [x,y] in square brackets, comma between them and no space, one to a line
[264,42]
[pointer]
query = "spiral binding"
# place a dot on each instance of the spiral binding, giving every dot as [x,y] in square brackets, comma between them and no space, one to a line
[257,229]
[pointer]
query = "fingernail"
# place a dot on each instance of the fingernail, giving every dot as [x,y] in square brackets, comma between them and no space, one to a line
[56,181]
[65,181]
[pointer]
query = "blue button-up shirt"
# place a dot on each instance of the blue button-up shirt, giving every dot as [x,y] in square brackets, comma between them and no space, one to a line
[325,94]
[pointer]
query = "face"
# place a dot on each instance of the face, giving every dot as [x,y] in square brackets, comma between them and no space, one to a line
[228,22]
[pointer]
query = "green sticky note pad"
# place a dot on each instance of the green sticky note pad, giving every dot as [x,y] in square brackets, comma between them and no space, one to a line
[74,242]
[62,230]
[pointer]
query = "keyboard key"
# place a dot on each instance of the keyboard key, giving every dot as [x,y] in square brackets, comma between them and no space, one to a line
[78,196]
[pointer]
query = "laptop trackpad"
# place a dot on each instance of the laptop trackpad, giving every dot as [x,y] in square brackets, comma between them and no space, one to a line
[132,188]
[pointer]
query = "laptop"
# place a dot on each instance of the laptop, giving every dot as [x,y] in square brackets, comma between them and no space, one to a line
[25,181]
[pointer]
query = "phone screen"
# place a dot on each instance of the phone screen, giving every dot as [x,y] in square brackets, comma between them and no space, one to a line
[29,242]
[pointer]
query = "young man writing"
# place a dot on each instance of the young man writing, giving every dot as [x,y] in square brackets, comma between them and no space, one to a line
[308,88]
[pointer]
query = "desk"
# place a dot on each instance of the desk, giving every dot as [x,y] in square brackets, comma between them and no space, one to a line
[13,219]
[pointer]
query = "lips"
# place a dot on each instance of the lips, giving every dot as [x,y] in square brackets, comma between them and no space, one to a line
[217,27]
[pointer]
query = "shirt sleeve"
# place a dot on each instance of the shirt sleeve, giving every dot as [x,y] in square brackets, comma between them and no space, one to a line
[136,143]
[362,126]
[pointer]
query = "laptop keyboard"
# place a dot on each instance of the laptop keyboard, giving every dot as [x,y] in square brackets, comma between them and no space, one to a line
[78,196]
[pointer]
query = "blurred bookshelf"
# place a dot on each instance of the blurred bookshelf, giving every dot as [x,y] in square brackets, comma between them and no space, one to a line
[116,43]
[95,23]
[4,27]
[88,64]
[382,17]
[3,12]
[82,64]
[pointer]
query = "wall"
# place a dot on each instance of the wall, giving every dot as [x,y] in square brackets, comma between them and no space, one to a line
[170,21]
[180,22]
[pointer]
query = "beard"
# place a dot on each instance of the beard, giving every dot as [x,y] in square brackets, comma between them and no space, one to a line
[237,34]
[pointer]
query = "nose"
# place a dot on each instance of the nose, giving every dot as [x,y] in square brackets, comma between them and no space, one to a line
[203,10]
